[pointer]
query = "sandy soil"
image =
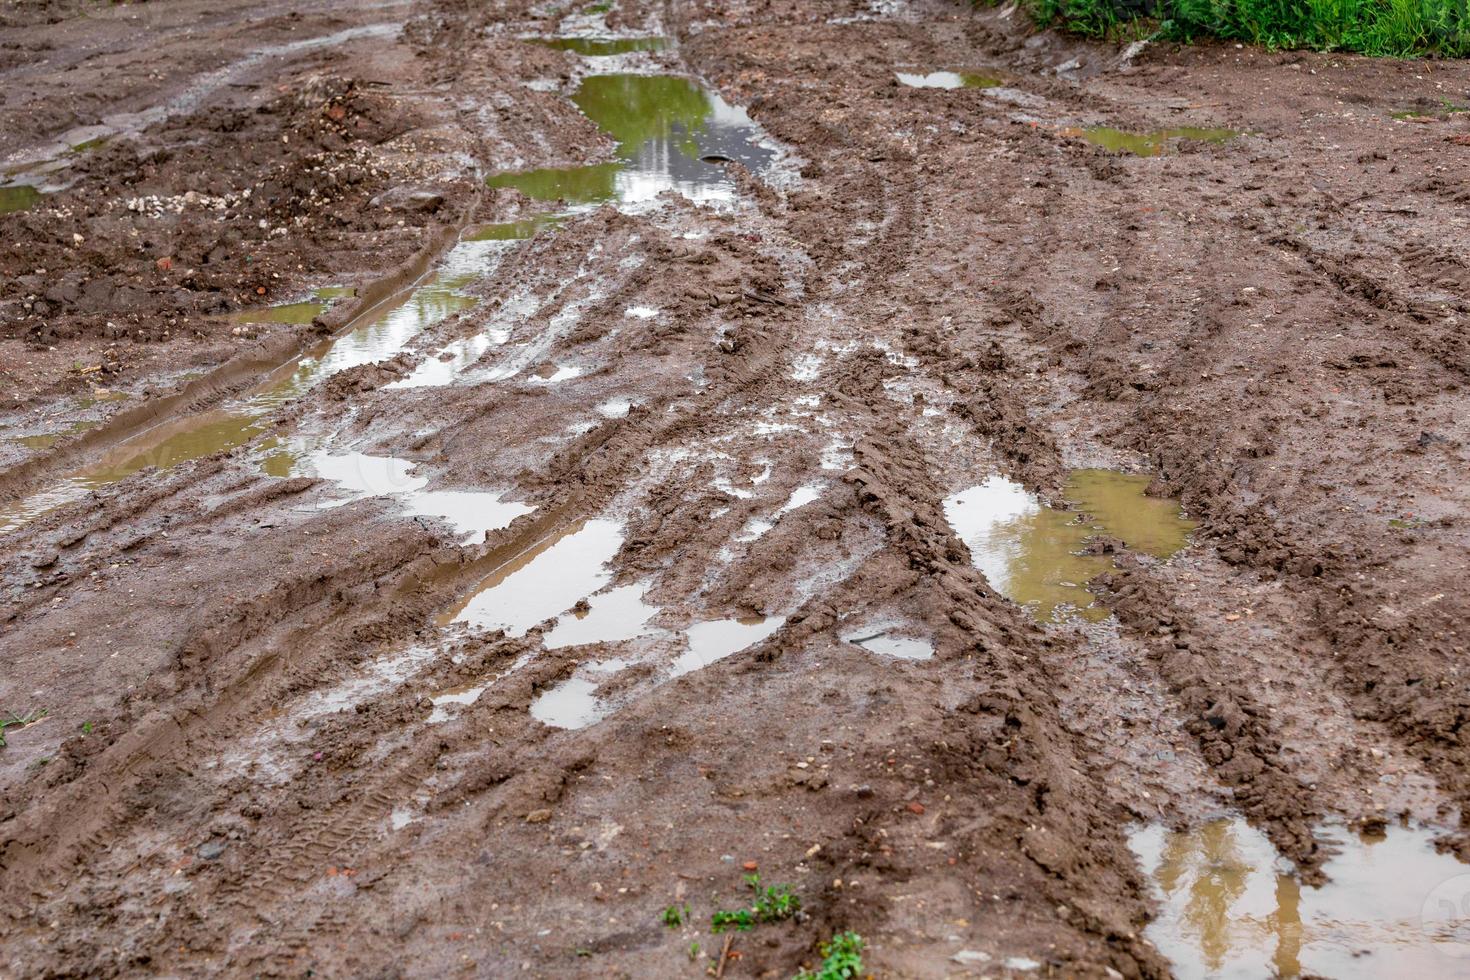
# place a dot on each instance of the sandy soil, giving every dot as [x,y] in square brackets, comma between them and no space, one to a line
[243,770]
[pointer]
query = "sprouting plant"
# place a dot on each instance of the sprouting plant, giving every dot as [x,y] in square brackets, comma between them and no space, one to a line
[693,952]
[842,959]
[723,919]
[776,904]
[674,916]
[86,728]
[773,904]
[19,721]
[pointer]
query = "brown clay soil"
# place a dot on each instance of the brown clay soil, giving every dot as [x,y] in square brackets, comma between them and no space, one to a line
[238,773]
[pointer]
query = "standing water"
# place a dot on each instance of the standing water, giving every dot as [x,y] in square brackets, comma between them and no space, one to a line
[1230,906]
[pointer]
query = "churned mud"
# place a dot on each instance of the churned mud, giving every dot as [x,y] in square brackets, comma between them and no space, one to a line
[479,482]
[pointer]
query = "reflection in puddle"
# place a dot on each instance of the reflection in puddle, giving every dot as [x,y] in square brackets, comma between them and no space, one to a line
[663,126]
[597,47]
[891,645]
[570,704]
[18,197]
[615,615]
[1148,144]
[716,640]
[1230,907]
[1030,553]
[294,313]
[948,79]
[544,581]
[383,334]
[470,512]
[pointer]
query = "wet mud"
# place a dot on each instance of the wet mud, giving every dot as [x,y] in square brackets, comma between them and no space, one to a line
[474,478]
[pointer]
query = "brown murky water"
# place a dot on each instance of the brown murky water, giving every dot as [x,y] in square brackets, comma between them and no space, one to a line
[1150,144]
[1230,906]
[1034,554]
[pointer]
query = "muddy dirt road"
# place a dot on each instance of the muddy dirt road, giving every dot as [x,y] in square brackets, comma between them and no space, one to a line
[465,494]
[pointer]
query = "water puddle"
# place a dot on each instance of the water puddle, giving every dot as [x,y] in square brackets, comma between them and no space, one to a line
[298,314]
[18,197]
[892,645]
[611,617]
[49,439]
[513,231]
[544,581]
[1151,144]
[948,79]
[599,47]
[471,512]
[382,334]
[1230,906]
[1033,554]
[571,704]
[716,640]
[671,134]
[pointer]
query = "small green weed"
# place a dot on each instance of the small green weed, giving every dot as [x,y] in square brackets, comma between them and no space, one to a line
[674,916]
[19,721]
[842,959]
[772,904]
[723,919]
[693,952]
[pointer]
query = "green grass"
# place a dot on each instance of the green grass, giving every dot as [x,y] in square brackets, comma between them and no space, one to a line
[842,958]
[1398,28]
[19,721]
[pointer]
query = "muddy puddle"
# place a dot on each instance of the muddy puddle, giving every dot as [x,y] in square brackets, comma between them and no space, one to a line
[671,134]
[718,639]
[891,644]
[546,580]
[359,476]
[948,79]
[18,197]
[382,333]
[1035,556]
[1149,144]
[603,47]
[297,314]
[1230,906]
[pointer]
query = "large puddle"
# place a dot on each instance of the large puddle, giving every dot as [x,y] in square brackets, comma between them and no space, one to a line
[1230,906]
[1150,144]
[382,334]
[671,134]
[1034,555]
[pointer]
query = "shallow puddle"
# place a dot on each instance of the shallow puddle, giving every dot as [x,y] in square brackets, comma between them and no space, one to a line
[669,131]
[382,334]
[948,79]
[18,197]
[1231,908]
[294,313]
[512,231]
[571,704]
[1150,144]
[49,439]
[471,512]
[613,616]
[599,47]
[892,644]
[716,640]
[1031,553]
[544,581]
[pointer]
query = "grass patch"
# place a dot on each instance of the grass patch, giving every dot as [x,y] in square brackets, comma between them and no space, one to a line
[842,958]
[1398,28]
